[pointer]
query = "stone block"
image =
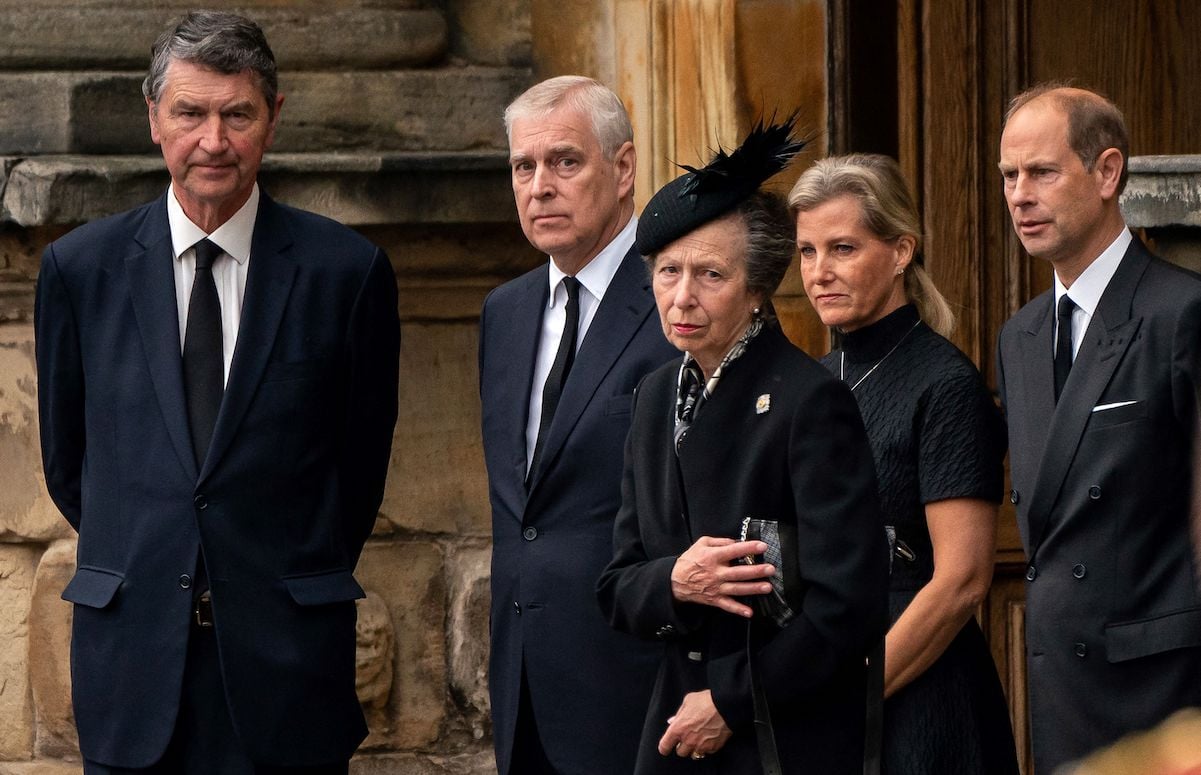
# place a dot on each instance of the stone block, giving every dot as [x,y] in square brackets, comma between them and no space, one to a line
[477,763]
[1163,191]
[41,768]
[490,33]
[443,109]
[50,646]
[303,35]
[66,112]
[469,571]
[26,511]
[437,482]
[18,564]
[408,578]
[466,187]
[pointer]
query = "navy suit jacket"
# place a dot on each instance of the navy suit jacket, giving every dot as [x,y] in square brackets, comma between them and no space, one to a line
[282,504]
[1101,482]
[589,685]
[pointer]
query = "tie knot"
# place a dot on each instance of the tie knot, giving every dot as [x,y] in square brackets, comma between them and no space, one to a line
[206,253]
[573,289]
[1066,306]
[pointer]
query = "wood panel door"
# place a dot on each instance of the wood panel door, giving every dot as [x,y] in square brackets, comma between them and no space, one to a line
[956,65]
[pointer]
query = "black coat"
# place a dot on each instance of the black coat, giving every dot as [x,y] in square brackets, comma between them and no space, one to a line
[779,439]
[1101,482]
[588,684]
[282,505]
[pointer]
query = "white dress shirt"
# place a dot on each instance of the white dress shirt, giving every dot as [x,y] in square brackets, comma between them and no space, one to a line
[229,269]
[594,281]
[1086,291]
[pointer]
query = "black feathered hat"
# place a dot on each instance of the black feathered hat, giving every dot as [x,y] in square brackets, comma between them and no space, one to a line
[702,195]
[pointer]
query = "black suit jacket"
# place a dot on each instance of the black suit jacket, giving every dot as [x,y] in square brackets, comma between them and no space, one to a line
[282,504]
[781,439]
[1102,483]
[589,685]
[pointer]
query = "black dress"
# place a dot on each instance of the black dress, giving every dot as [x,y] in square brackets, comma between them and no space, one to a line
[935,434]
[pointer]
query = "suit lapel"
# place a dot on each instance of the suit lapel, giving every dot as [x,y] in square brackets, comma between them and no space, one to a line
[1109,334]
[268,285]
[518,344]
[627,303]
[151,279]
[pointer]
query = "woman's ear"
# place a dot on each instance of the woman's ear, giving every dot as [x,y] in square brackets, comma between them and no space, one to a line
[905,249]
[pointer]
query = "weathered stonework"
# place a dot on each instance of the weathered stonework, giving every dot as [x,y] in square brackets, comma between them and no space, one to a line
[480,763]
[17,566]
[26,511]
[375,652]
[438,484]
[408,575]
[50,647]
[470,570]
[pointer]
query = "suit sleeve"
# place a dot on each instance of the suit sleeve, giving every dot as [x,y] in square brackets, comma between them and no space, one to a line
[373,354]
[842,555]
[634,590]
[60,389]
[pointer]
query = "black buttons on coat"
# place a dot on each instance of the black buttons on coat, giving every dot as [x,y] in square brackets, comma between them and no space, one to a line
[185,581]
[201,502]
[1031,572]
[1094,493]
[530,533]
[517,607]
[1079,570]
[665,631]
[1081,650]
[1014,497]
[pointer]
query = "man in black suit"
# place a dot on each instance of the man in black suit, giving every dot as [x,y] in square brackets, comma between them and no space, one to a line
[1099,380]
[217,385]
[561,350]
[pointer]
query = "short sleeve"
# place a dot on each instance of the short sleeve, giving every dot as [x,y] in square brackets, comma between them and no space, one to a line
[961,441]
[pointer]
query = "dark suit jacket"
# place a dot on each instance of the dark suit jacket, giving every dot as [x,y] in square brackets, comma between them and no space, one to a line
[282,505]
[1102,482]
[589,685]
[799,456]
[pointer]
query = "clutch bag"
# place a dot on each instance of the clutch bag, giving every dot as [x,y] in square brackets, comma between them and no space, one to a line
[779,605]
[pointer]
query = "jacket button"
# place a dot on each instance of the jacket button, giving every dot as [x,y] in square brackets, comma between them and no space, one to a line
[1081,650]
[1094,492]
[517,607]
[185,581]
[1078,571]
[201,502]
[530,533]
[1013,496]
[1031,572]
[665,630]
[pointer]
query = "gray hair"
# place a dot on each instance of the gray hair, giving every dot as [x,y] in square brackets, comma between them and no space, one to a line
[770,244]
[886,209]
[225,42]
[610,121]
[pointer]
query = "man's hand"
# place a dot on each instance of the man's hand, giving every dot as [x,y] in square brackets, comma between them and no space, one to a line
[697,729]
[709,573]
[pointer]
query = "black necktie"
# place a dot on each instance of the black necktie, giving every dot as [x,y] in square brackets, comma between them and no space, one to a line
[559,370]
[203,364]
[1063,344]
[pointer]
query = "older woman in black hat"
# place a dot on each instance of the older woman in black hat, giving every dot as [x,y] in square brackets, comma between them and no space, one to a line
[749,539]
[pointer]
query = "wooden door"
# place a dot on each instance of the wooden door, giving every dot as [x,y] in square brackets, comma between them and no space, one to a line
[949,73]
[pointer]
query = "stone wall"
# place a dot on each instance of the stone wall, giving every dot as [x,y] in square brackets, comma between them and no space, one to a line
[392,125]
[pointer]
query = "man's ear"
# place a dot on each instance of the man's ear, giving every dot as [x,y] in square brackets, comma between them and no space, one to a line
[152,115]
[625,162]
[270,140]
[1108,169]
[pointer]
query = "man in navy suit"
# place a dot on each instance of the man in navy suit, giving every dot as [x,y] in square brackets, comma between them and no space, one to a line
[561,351]
[217,380]
[1099,380]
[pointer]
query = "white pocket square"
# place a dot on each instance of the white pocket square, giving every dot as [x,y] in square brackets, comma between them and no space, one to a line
[1105,407]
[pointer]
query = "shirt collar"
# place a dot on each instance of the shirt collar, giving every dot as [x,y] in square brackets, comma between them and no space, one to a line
[1086,291]
[233,236]
[598,273]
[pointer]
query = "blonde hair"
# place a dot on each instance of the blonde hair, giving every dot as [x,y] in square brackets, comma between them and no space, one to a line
[888,211]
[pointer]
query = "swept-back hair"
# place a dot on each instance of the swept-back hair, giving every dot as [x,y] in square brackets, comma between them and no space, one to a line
[604,109]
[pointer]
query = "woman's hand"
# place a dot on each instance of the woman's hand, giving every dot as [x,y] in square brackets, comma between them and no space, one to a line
[709,573]
[697,729]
